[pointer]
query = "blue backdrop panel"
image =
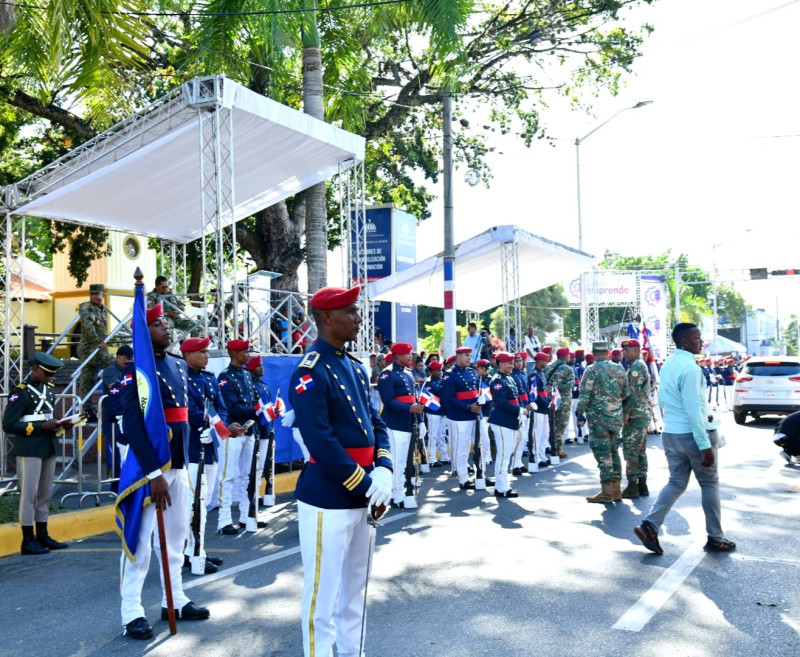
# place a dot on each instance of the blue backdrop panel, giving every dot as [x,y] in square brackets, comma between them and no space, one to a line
[277,373]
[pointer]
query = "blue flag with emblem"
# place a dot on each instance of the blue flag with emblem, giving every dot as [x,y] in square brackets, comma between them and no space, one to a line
[134,486]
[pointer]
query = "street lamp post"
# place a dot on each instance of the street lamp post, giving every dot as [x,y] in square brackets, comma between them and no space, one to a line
[578,141]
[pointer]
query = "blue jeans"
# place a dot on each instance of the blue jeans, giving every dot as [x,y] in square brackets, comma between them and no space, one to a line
[683,458]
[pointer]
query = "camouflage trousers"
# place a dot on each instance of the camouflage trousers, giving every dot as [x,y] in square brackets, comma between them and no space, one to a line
[90,371]
[562,416]
[604,441]
[634,447]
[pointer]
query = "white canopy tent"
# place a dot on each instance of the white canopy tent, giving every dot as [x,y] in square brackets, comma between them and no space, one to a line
[479,272]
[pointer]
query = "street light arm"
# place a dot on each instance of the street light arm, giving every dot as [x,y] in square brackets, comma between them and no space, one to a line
[641,103]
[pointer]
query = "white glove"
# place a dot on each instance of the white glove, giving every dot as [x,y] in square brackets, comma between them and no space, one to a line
[287,419]
[205,436]
[380,492]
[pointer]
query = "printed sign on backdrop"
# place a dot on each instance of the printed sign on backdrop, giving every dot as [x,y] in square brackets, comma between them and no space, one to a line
[605,287]
[654,312]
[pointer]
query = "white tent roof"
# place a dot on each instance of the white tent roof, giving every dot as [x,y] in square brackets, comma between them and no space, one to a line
[478,274]
[143,176]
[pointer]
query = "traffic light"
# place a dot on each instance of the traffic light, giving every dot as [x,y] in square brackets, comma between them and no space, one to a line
[785,272]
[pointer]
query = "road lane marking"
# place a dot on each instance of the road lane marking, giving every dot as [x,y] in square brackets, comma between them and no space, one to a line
[235,570]
[745,557]
[648,605]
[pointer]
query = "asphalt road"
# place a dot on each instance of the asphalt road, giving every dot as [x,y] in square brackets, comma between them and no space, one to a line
[469,575]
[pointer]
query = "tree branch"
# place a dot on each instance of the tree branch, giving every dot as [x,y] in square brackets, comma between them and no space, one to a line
[49,111]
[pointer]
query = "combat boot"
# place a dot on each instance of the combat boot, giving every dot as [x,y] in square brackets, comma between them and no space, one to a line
[631,490]
[616,492]
[604,496]
[642,485]
[29,543]
[44,539]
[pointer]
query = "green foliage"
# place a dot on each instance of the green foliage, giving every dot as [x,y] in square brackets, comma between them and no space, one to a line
[731,307]
[434,334]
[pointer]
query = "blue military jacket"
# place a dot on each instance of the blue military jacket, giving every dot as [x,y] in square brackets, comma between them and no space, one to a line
[239,393]
[505,401]
[459,392]
[172,373]
[262,392]
[344,434]
[541,403]
[203,387]
[576,389]
[523,387]
[434,387]
[396,388]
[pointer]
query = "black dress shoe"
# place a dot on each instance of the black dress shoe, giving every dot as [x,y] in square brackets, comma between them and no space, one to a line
[259,523]
[525,454]
[32,546]
[509,493]
[489,482]
[397,505]
[544,464]
[229,530]
[51,544]
[523,468]
[467,485]
[516,472]
[568,441]
[437,464]
[189,611]
[215,560]
[139,628]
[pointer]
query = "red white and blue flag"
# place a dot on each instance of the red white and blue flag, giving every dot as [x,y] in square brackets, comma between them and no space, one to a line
[556,397]
[126,380]
[265,409]
[13,397]
[486,394]
[429,400]
[303,384]
[217,424]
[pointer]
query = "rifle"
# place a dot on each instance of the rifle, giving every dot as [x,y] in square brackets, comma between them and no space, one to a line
[411,462]
[251,524]
[480,480]
[197,561]
[269,471]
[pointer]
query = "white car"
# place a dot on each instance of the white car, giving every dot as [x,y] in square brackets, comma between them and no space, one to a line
[767,385]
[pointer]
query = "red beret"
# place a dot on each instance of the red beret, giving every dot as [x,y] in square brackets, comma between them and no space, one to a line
[616,352]
[482,363]
[389,358]
[464,350]
[253,362]
[450,359]
[402,348]
[542,356]
[548,349]
[154,313]
[521,354]
[504,357]
[333,298]
[238,345]
[194,344]
[630,343]
[434,365]
[579,352]
[589,358]
[563,351]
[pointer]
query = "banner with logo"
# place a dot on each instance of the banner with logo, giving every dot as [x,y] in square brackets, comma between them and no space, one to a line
[654,312]
[605,288]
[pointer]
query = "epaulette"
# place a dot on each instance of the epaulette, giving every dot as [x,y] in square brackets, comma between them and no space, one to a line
[51,384]
[309,360]
[21,386]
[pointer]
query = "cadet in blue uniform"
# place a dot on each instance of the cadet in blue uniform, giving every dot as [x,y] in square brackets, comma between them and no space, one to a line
[578,369]
[239,394]
[169,490]
[485,399]
[28,418]
[519,374]
[203,390]
[541,407]
[400,411]
[434,414]
[460,402]
[505,420]
[349,467]
[112,407]
[263,426]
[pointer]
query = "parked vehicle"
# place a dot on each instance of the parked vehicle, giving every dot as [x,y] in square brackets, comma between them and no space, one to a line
[767,385]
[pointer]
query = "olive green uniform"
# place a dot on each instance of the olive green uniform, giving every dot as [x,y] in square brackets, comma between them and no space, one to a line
[170,304]
[634,433]
[94,326]
[561,375]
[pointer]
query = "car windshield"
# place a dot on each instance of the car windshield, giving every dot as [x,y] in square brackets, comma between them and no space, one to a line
[776,368]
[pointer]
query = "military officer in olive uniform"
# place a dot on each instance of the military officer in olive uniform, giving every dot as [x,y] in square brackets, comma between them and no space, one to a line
[29,420]
[605,397]
[560,375]
[173,308]
[634,431]
[349,469]
[94,326]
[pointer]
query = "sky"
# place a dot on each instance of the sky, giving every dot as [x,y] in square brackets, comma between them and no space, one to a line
[708,169]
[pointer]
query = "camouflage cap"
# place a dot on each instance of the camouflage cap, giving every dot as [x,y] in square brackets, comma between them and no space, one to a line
[600,345]
[96,287]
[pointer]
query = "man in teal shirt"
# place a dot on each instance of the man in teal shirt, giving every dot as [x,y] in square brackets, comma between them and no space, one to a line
[688,444]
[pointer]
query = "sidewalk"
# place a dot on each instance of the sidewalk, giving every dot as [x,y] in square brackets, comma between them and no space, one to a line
[83,522]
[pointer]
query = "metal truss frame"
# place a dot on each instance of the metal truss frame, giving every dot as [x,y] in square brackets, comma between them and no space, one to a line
[509,265]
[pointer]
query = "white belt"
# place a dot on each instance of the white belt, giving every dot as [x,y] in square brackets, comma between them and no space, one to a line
[37,417]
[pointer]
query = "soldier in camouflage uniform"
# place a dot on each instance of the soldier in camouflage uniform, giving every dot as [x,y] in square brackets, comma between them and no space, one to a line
[173,308]
[560,375]
[605,397]
[94,325]
[634,432]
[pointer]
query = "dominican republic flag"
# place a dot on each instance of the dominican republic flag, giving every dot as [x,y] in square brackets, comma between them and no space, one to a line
[556,397]
[486,394]
[429,400]
[646,333]
[280,407]
[303,384]
[134,487]
[265,409]
[217,424]
[127,379]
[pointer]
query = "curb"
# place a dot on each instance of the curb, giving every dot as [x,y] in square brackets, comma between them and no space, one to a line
[75,525]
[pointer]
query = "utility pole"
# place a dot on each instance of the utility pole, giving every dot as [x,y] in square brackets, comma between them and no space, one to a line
[677,293]
[449,242]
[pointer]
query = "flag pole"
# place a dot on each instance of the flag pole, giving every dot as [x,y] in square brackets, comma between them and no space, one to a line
[162,536]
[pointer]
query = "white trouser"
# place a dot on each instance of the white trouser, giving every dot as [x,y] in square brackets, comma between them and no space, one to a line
[334,545]
[230,459]
[399,442]
[262,459]
[657,422]
[243,475]
[436,439]
[209,474]
[461,437]
[542,433]
[505,440]
[486,449]
[576,429]
[132,574]
[522,441]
